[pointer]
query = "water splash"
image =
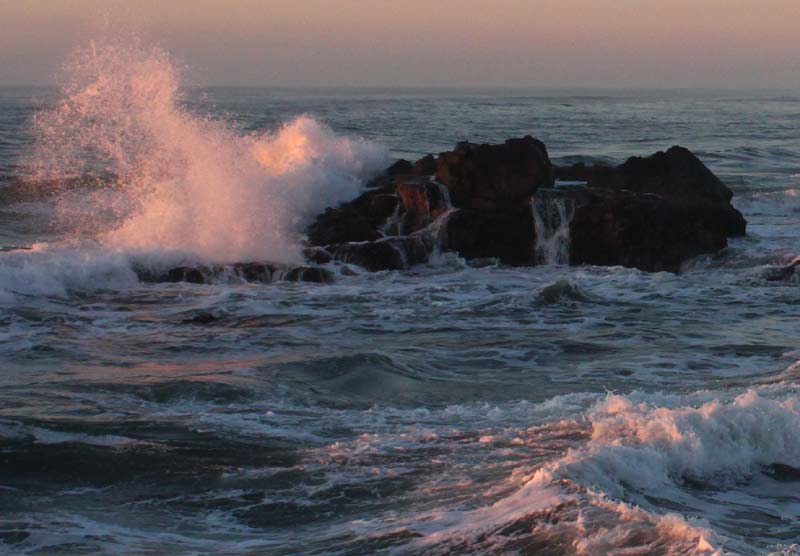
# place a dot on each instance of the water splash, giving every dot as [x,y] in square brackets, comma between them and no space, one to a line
[175,181]
[551,220]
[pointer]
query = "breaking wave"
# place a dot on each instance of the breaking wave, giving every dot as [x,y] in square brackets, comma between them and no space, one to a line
[176,181]
[643,452]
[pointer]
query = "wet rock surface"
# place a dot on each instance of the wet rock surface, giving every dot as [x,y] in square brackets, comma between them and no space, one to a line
[507,237]
[495,178]
[500,201]
[372,255]
[619,227]
[423,200]
[676,175]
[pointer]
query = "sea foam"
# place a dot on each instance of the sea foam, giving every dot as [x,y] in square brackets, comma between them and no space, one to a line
[179,181]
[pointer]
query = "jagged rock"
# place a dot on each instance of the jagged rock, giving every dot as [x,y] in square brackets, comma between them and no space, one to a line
[495,178]
[651,212]
[645,231]
[425,166]
[399,168]
[393,253]
[422,200]
[357,220]
[676,174]
[494,182]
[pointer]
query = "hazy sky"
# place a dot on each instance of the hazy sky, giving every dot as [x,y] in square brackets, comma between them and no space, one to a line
[515,43]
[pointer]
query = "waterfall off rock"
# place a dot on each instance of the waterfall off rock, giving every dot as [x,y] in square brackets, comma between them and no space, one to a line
[551,220]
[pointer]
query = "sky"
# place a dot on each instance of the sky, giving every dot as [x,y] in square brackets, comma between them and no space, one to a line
[427,43]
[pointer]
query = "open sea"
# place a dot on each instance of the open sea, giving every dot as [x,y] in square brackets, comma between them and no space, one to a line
[446,409]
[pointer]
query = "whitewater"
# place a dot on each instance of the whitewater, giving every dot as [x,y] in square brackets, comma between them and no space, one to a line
[451,408]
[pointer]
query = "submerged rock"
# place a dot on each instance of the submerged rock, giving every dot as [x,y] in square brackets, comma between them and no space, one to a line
[201,317]
[264,273]
[783,272]
[308,274]
[393,253]
[562,291]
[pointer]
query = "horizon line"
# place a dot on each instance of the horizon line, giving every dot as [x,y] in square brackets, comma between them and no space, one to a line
[643,88]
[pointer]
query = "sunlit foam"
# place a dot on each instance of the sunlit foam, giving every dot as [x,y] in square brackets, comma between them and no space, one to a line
[184,182]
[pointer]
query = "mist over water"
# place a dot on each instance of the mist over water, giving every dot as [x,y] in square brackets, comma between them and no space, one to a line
[550,410]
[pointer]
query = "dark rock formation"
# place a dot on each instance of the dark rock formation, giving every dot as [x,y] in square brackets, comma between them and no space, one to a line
[372,255]
[506,236]
[425,166]
[181,274]
[383,229]
[645,231]
[308,274]
[399,168]
[651,212]
[357,220]
[394,253]
[362,219]
[495,178]
[317,255]
[676,174]
[493,185]
[422,200]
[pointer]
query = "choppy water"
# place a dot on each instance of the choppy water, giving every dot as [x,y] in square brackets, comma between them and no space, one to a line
[446,409]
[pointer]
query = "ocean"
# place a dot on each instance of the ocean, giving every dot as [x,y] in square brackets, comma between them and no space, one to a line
[446,409]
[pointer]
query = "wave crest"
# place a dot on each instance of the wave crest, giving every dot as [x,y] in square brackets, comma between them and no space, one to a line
[179,181]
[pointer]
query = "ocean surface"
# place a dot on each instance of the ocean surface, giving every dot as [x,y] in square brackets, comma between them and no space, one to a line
[446,409]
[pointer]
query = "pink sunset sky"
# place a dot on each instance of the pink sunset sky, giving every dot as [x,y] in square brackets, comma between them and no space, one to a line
[505,43]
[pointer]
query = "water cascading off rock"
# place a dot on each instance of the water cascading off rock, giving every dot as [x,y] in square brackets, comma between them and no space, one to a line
[551,220]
